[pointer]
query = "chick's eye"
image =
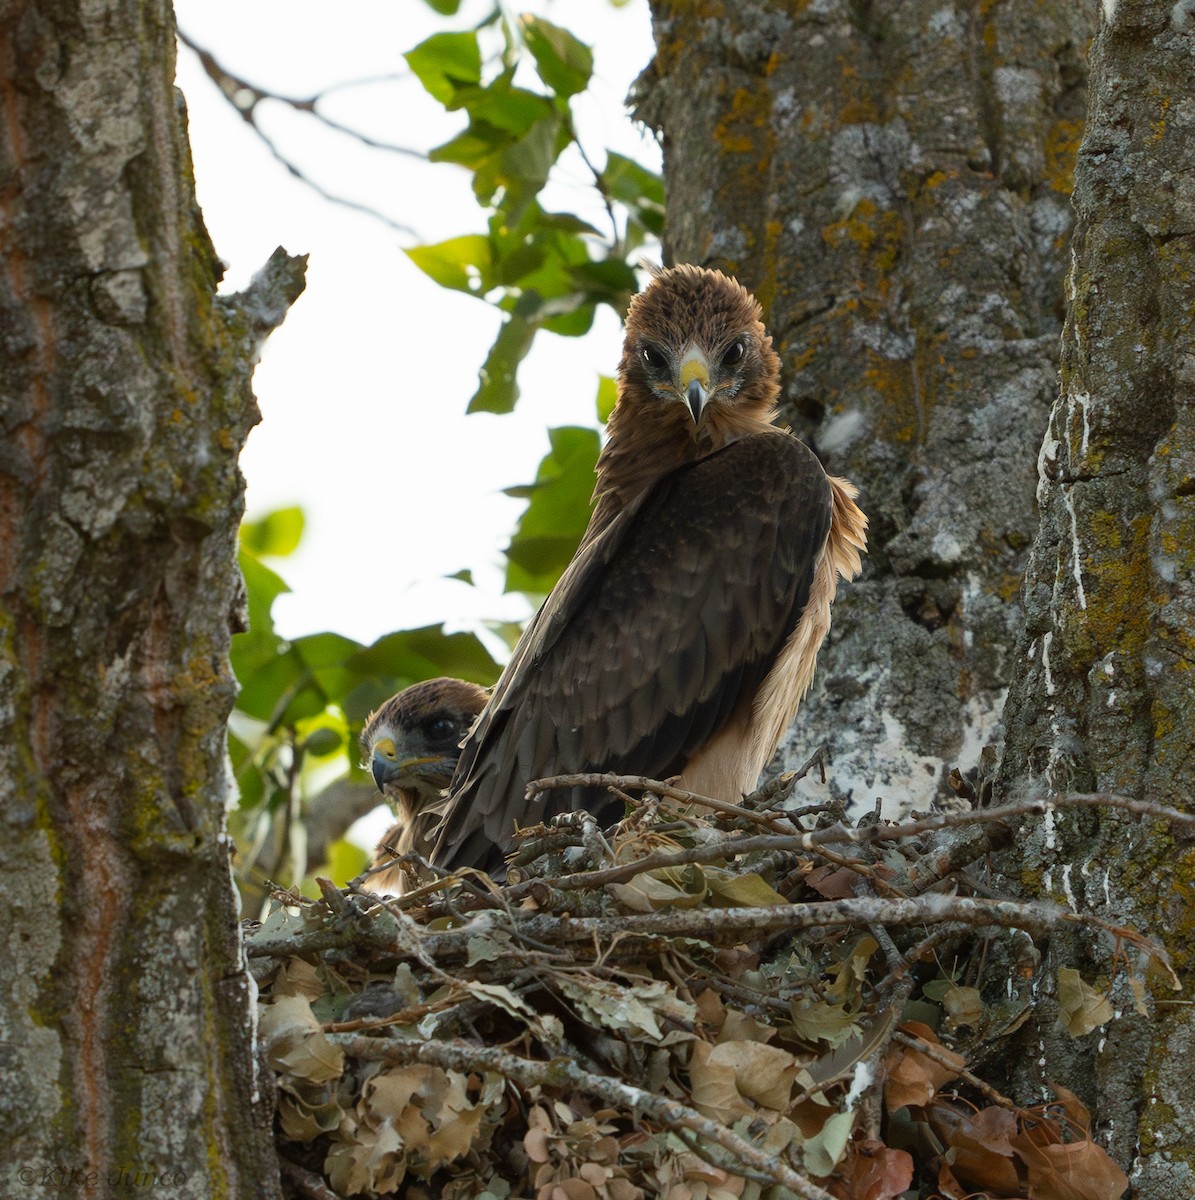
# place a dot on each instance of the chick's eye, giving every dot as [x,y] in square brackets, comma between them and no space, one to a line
[654,358]
[440,728]
[733,355]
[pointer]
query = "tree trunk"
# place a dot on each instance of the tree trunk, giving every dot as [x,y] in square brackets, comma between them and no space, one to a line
[1103,697]
[127,1015]
[892,180]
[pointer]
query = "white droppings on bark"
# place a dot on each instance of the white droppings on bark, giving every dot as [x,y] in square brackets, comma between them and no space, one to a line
[1068,500]
[1047,638]
[841,431]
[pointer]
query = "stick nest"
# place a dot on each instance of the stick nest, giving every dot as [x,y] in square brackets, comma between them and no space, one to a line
[704,1002]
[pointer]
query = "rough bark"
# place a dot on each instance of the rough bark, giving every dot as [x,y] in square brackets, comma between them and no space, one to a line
[125,1011]
[892,179]
[1103,697]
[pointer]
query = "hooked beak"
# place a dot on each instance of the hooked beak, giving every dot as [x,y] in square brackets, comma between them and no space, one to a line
[384,765]
[695,381]
[695,395]
[427,774]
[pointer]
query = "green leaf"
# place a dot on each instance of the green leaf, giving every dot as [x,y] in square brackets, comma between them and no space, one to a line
[277,533]
[497,389]
[262,588]
[523,167]
[249,779]
[345,861]
[328,658]
[564,63]
[608,279]
[607,396]
[549,530]
[322,742]
[574,323]
[639,189]
[445,63]
[464,575]
[446,8]
[281,691]
[745,891]
[410,655]
[449,263]
[509,109]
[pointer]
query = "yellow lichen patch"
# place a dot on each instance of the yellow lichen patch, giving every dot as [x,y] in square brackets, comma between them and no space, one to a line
[737,130]
[1158,127]
[765,290]
[860,108]
[892,382]
[859,111]
[1115,573]
[1061,150]
[876,234]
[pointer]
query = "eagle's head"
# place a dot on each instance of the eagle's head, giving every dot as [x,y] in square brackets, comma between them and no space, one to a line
[696,350]
[412,742]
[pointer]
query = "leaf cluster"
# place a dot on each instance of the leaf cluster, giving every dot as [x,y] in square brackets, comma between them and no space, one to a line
[544,270]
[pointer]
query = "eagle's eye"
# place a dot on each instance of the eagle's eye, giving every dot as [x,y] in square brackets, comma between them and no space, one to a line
[654,358]
[440,728]
[733,354]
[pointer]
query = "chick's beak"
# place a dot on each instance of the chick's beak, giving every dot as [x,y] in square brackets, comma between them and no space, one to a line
[383,764]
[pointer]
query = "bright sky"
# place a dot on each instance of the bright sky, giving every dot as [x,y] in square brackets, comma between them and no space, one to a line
[363,389]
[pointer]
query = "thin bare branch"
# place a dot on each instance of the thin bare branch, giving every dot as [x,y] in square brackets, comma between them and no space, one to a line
[245,97]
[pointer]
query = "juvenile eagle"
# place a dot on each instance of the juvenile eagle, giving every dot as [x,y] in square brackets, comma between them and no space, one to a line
[411,745]
[684,633]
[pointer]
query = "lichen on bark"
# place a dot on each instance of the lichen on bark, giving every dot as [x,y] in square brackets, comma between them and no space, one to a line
[126,1009]
[892,180]
[1103,697]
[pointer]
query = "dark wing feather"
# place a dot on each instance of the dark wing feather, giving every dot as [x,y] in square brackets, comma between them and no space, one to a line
[657,630]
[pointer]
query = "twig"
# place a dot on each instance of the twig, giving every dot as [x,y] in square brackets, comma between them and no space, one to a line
[730,924]
[562,1072]
[867,834]
[307,1183]
[616,783]
[932,1052]
[781,787]
[244,98]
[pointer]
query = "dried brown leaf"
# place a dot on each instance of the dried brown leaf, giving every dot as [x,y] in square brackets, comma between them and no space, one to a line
[872,1171]
[978,1145]
[739,1027]
[914,1078]
[1070,1171]
[298,978]
[295,1043]
[1080,1007]
[725,1077]
[963,1006]
[816,1021]
[834,883]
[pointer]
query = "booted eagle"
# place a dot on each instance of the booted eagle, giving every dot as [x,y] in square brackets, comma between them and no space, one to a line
[684,633]
[411,745]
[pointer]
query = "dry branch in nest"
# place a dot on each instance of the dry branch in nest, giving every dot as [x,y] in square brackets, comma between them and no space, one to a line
[705,1001]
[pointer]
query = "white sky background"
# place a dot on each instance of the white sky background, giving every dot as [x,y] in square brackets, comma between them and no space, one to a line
[364,387]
